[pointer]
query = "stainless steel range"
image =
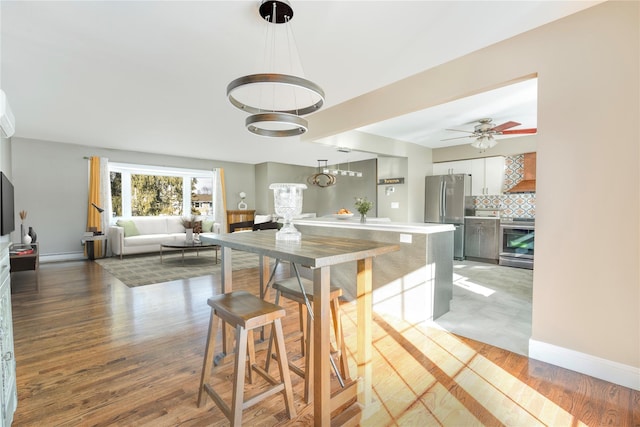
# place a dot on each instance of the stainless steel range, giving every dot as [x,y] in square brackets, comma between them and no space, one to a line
[517,242]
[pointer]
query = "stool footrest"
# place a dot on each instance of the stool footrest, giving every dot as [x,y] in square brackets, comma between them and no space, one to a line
[218,400]
[264,374]
[263,395]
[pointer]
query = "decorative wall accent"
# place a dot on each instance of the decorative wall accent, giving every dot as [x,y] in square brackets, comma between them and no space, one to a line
[513,171]
[517,205]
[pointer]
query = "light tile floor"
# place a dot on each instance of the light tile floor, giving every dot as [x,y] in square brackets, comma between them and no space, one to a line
[491,304]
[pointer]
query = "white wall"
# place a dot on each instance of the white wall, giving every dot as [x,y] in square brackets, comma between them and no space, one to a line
[587,270]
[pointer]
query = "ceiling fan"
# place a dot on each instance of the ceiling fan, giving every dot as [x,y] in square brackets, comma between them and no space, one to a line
[485,128]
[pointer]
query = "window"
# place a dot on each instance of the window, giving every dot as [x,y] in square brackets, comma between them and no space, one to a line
[140,190]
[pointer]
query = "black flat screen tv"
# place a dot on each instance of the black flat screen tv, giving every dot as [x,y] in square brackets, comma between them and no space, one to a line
[7,212]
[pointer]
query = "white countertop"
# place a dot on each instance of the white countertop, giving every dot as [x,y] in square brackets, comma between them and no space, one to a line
[376,224]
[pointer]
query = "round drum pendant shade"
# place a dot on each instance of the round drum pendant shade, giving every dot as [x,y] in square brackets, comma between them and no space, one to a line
[246,92]
[276,124]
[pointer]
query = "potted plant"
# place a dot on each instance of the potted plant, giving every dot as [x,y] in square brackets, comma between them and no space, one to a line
[363,206]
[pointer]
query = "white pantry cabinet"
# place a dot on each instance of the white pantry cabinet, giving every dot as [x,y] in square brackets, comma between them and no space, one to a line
[487,174]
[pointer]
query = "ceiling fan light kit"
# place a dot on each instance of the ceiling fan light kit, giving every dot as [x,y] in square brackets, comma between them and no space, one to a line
[276,100]
[484,142]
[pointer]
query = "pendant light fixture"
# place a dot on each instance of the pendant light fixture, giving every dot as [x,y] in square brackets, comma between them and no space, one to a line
[276,100]
[323,177]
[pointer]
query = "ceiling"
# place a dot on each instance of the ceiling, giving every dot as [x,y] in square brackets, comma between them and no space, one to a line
[431,127]
[151,76]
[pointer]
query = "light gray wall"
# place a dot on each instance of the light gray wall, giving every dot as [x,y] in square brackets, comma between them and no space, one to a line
[390,194]
[279,172]
[262,197]
[419,158]
[51,184]
[319,200]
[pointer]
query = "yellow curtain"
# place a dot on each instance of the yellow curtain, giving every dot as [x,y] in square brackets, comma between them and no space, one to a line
[94,222]
[224,192]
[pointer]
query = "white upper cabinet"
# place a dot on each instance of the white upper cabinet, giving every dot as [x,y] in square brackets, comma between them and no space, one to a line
[493,175]
[487,174]
[447,168]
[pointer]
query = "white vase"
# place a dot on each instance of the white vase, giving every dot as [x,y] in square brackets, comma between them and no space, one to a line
[189,232]
[26,239]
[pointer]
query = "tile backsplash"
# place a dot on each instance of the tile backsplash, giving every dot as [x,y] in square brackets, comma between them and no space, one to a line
[517,205]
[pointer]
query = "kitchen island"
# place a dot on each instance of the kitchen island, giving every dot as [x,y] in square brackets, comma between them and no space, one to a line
[415,283]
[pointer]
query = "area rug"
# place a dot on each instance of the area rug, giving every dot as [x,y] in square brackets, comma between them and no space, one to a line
[139,270]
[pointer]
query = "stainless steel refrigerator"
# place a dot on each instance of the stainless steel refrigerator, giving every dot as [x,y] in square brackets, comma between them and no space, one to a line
[447,201]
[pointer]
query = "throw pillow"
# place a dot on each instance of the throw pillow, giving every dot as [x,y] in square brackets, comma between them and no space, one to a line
[130,228]
[207,226]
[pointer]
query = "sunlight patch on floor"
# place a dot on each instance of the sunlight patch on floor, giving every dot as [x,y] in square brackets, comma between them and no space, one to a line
[465,283]
[433,359]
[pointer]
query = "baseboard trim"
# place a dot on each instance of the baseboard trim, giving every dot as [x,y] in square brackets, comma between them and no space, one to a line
[75,256]
[608,370]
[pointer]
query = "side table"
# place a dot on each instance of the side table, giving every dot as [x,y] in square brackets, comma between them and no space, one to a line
[20,260]
[90,247]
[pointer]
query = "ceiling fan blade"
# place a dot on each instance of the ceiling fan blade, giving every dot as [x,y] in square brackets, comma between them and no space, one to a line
[458,137]
[505,125]
[519,131]
[458,130]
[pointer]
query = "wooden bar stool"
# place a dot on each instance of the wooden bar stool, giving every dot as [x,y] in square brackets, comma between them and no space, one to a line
[290,288]
[245,312]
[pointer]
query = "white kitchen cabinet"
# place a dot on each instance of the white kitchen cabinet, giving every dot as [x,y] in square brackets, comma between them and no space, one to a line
[487,174]
[447,168]
[492,175]
[9,396]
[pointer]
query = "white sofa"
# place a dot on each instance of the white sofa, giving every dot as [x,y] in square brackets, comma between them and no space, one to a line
[147,233]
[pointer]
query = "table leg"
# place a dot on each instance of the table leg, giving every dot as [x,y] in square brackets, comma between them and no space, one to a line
[90,249]
[183,257]
[160,254]
[264,278]
[364,355]
[321,368]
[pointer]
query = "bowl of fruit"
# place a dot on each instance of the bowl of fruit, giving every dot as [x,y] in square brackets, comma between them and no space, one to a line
[344,214]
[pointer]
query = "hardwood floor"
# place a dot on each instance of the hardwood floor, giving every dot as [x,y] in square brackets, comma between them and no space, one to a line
[91,351]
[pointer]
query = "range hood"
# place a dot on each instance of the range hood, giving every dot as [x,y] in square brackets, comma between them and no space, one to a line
[528,183]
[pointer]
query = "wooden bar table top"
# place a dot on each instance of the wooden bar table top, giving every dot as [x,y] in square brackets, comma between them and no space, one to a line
[319,253]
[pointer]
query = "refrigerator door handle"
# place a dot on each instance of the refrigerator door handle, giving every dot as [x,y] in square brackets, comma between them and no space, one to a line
[443,199]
